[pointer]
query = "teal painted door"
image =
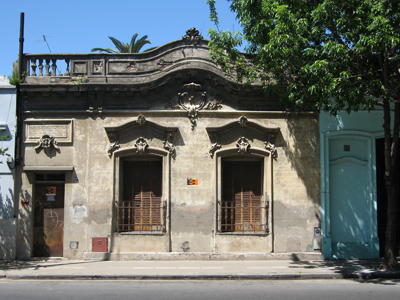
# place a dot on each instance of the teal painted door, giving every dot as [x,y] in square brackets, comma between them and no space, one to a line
[350,209]
[352,216]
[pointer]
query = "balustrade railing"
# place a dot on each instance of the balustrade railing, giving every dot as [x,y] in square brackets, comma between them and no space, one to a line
[43,67]
[52,65]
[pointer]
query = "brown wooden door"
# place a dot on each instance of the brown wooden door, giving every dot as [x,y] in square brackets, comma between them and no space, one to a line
[48,220]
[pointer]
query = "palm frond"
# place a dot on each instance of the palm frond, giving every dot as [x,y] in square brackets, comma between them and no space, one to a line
[140,43]
[134,47]
[132,44]
[118,44]
[107,50]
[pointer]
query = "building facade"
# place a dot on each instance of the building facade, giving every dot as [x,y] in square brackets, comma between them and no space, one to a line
[161,155]
[8,220]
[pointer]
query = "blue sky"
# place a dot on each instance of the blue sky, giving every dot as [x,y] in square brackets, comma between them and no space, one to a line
[77,26]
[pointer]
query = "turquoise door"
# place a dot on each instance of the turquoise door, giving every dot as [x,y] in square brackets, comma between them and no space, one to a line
[352,205]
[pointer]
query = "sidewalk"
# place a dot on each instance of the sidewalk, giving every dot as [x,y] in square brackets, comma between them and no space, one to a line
[130,270]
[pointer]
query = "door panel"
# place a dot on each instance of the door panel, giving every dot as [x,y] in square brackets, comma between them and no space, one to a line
[48,224]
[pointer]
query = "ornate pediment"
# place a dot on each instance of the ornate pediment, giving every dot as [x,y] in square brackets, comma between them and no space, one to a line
[141,126]
[235,129]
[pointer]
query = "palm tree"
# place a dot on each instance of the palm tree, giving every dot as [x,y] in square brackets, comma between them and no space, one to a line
[133,47]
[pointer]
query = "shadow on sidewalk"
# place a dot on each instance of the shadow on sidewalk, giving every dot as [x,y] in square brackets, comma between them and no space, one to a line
[6,265]
[366,270]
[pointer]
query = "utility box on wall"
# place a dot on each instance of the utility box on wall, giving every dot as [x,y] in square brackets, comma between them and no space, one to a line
[99,244]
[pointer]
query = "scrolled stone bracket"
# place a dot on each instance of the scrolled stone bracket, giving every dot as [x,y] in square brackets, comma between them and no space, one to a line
[216,145]
[270,146]
[114,146]
[168,145]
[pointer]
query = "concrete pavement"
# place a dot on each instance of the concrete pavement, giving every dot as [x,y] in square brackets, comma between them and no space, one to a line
[134,269]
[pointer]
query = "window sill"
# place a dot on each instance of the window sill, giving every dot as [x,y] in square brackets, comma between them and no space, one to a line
[141,233]
[253,233]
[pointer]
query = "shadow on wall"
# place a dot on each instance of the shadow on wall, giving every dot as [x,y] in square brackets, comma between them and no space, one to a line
[304,154]
[24,225]
[6,204]
[8,226]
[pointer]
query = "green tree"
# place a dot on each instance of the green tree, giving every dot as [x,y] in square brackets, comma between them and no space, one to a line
[335,54]
[133,47]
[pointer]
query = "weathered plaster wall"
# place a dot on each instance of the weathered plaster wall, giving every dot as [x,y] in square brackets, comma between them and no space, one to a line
[89,196]
[8,222]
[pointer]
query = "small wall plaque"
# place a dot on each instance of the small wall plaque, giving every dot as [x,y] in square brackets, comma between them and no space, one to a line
[192,181]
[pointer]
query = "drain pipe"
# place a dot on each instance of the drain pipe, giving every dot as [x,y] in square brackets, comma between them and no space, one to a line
[19,95]
[21,45]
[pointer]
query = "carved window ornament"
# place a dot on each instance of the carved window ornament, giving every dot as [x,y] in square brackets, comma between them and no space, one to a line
[270,146]
[192,36]
[141,120]
[216,145]
[195,100]
[170,147]
[243,145]
[47,142]
[141,145]
[242,121]
[113,146]
[270,133]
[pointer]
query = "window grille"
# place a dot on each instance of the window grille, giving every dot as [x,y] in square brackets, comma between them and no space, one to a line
[141,207]
[242,208]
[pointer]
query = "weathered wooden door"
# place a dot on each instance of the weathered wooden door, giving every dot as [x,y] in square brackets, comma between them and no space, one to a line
[48,220]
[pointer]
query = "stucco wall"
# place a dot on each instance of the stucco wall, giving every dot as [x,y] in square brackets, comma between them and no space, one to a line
[90,188]
[8,222]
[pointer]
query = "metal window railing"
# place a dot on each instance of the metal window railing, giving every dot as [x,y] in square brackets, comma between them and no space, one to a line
[134,216]
[250,218]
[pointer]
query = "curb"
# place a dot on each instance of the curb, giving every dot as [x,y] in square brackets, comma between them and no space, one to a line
[364,276]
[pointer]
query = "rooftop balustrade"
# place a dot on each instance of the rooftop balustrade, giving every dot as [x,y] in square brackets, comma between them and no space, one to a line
[103,67]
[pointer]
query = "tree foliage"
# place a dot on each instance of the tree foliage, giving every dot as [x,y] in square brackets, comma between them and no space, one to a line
[335,54]
[133,47]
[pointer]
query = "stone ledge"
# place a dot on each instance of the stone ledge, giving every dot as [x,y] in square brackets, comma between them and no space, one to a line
[204,256]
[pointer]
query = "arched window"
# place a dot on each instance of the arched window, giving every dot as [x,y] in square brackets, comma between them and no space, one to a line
[241,206]
[140,206]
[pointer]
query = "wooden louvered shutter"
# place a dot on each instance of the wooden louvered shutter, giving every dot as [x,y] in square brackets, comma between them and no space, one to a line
[241,196]
[142,193]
